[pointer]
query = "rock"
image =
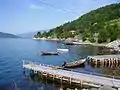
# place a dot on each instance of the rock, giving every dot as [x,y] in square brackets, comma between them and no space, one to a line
[115,44]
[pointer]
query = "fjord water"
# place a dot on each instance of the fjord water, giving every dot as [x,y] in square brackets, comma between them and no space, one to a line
[14,51]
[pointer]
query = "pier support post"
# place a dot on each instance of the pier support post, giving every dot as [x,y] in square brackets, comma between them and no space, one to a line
[70,80]
[46,78]
[53,77]
[41,75]
[81,83]
[61,79]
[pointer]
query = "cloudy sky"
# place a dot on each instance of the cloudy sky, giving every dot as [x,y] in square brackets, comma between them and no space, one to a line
[21,16]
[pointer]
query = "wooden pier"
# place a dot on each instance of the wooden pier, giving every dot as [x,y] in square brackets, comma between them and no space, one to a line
[104,60]
[72,77]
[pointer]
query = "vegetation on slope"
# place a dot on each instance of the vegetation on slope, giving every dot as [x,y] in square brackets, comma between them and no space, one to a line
[101,25]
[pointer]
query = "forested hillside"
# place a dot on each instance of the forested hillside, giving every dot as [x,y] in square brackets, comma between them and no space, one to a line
[101,25]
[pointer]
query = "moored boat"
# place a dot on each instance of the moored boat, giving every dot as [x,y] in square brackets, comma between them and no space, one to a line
[49,53]
[62,50]
[69,43]
[75,63]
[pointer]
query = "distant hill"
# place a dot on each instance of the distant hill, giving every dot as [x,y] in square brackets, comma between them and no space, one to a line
[100,25]
[27,35]
[7,35]
[30,34]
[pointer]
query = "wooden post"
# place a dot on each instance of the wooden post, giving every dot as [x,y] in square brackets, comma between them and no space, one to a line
[53,77]
[81,83]
[95,63]
[61,79]
[117,62]
[104,63]
[109,62]
[46,78]
[70,80]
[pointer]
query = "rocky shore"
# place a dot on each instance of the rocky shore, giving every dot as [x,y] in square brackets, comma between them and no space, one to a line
[115,45]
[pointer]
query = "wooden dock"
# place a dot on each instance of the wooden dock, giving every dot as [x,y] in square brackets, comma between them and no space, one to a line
[72,77]
[104,60]
[103,57]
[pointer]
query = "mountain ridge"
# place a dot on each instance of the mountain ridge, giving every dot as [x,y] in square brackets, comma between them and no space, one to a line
[8,35]
[31,34]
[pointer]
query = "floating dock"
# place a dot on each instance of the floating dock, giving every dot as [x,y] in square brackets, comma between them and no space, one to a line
[72,77]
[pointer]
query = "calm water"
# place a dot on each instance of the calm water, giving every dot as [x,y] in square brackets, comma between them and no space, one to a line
[13,51]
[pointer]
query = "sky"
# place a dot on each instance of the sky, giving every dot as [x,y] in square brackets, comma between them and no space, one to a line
[22,16]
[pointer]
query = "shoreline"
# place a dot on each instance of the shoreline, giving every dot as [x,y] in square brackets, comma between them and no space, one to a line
[113,45]
[101,45]
[76,43]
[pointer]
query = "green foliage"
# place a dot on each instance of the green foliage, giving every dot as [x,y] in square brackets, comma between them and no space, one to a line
[105,21]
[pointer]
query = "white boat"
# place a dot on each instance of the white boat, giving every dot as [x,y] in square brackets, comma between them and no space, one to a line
[62,50]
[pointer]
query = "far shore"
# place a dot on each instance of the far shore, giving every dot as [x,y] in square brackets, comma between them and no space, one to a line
[77,42]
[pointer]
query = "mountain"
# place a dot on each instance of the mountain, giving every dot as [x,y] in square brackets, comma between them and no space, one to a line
[27,35]
[31,34]
[7,35]
[100,25]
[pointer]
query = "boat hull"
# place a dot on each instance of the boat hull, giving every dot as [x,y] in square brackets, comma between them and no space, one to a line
[80,63]
[49,53]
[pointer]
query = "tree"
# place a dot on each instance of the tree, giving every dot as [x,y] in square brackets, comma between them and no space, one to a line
[39,34]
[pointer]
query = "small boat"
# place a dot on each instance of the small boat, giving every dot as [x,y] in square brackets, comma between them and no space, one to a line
[49,53]
[69,43]
[75,63]
[62,50]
